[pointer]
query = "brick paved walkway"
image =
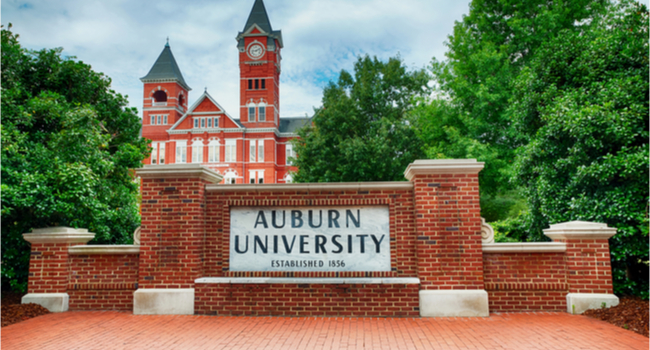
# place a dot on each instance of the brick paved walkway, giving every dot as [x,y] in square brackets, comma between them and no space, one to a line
[123,330]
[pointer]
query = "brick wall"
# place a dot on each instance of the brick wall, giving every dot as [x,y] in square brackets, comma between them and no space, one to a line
[513,300]
[435,235]
[525,281]
[101,299]
[102,281]
[589,266]
[448,225]
[172,232]
[48,268]
[307,300]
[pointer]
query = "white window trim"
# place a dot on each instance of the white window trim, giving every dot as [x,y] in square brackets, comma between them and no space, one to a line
[197,151]
[231,150]
[181,152]
[229,177]
[154,153]
[252,151]
[260,151]
[254,109]
[288,154]
[213,151]
[161,153]
[261,112]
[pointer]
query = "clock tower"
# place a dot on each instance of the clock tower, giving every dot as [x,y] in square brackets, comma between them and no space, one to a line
[259,66]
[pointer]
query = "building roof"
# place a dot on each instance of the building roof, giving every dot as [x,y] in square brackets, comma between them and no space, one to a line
[293,124]
[165,69]
[259,16]
[190,111]
[260,19]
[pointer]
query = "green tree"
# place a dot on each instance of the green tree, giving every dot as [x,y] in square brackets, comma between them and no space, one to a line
[68,142]
[362,131]
[487,50]
[583,104]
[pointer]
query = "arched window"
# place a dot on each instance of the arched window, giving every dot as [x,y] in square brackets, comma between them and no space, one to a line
[261,112]
[290,154]
[160,96]
[229,177]
[251,112]
[197,151]
[181,100]
[213,151]
[181,151]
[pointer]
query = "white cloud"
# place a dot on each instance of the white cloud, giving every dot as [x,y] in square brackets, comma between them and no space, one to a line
[124,38]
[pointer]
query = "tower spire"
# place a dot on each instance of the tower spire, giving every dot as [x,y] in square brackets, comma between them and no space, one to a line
[259,17]
[165,69]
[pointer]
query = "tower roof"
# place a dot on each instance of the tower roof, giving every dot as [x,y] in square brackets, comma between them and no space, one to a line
[258,17]
[165,69]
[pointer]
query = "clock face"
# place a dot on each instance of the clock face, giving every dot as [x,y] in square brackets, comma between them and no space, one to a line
[255,51]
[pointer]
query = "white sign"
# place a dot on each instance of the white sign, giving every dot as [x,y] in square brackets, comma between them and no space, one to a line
[309,239]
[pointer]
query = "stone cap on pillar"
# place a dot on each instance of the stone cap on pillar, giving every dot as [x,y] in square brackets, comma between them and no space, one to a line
[59,234]
[577,230]
[178,171]
[442,166]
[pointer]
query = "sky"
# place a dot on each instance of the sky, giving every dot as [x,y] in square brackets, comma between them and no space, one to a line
[123,38]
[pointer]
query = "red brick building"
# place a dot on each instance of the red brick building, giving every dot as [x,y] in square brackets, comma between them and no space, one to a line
[253,149]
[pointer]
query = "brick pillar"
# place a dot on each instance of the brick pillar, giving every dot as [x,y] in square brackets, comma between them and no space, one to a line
[589,270]
[448,226]
[172,236]
[49,265]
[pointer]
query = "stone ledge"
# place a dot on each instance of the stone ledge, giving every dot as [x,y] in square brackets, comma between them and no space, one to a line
[313,187]
[103,249]
[55,302]
[454,303]
[298,280]
[442,166]
[178,171]
[163,301]
[579,230]
[577,303]
[59,235]
[543,247]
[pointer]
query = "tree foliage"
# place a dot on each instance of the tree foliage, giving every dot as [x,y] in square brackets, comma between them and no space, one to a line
[582,103]
[487,50]
[68,142]
[361,132]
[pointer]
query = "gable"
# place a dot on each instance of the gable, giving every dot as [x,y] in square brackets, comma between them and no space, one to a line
[207,106]
[228,123]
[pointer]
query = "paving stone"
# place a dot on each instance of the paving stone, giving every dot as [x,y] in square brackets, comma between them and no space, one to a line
[123,330]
